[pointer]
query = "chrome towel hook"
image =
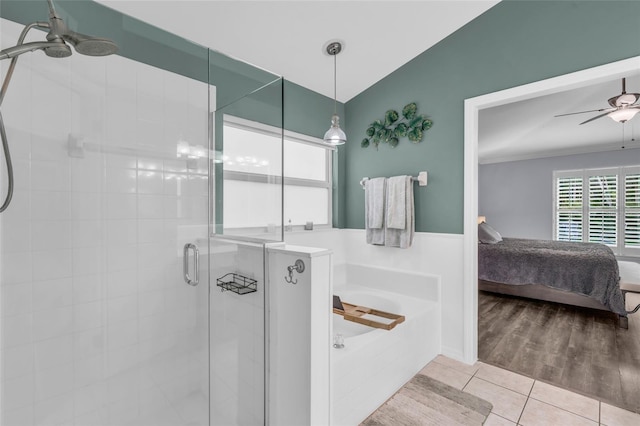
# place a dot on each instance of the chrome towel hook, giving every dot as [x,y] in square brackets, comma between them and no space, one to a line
[298,267]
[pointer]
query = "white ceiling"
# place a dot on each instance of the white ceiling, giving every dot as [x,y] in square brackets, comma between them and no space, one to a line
[288,38]
[528,129]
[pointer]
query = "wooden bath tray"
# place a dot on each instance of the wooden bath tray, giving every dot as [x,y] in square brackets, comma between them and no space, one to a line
[355,313]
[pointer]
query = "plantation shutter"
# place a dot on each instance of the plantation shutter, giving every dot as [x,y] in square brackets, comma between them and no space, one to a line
[632,211]
[603,209]
[569,217]
[599,206]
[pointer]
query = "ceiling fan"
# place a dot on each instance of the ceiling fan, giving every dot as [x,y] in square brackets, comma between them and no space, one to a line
[623,107]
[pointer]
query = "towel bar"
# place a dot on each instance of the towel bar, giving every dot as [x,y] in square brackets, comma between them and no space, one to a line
[421,179]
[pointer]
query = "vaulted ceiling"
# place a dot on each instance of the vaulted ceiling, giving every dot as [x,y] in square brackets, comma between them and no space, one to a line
[288,38]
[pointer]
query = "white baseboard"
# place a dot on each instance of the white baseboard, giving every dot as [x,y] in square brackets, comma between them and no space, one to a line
[453,353]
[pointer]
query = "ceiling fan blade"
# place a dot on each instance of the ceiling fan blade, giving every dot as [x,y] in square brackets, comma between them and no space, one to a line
[595,118]
[583,112]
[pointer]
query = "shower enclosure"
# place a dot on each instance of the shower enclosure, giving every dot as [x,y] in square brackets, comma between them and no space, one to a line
[126,296]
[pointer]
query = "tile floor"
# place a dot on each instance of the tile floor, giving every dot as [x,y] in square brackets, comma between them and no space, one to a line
[520,400]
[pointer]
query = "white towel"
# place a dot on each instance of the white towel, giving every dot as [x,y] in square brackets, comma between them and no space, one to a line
[396,212]
[402,238]
[374,205]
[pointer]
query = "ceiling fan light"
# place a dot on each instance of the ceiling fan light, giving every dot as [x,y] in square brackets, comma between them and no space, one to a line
[623,114]
[626,99]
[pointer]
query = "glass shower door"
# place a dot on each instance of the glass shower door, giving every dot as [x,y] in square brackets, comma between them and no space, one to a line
[97,325]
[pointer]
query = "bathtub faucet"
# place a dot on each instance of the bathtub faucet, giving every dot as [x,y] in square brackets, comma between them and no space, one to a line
[298,267]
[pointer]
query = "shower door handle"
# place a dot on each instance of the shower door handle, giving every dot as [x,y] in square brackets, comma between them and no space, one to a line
[185,264]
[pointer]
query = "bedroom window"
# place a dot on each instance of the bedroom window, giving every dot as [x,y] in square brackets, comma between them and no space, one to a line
[632,209]
[253,161]
[599,206]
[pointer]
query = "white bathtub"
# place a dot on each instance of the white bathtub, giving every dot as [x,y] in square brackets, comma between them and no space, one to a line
[375,363]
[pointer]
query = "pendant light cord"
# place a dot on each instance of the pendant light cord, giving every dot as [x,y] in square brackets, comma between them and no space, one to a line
[335,84]
[334,136]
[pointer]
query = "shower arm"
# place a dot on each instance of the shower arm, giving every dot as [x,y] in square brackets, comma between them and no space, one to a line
[52,10]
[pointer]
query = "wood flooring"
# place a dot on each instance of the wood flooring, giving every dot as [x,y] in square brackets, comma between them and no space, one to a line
[579,349]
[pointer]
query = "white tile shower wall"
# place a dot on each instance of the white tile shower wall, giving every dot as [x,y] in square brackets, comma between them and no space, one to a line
[97,325]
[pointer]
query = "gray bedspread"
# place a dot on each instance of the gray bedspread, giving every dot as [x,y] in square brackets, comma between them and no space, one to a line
[584,268]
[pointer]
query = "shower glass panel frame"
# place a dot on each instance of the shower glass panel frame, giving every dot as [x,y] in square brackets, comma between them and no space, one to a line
[239,288]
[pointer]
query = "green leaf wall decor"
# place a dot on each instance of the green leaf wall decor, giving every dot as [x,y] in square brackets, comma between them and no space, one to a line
[393,127]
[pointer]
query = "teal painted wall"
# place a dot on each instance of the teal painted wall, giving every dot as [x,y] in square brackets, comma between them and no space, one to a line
[286,105]
[513,43]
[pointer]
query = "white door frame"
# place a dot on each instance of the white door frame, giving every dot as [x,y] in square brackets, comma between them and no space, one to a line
[472,106]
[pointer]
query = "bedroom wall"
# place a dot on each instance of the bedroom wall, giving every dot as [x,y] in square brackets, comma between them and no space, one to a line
[517,196]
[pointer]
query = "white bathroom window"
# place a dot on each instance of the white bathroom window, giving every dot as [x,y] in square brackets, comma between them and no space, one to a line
[253,168]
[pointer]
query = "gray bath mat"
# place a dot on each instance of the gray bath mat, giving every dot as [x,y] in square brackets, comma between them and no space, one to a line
[425,401]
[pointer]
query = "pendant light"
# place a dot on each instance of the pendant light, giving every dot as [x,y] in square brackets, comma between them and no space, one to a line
[335,135]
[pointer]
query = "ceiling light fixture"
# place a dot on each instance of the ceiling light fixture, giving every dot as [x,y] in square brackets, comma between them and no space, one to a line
[623,114]
[335,135]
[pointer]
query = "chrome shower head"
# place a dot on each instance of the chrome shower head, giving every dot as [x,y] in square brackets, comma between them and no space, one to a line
[12,52]
[88,45]
[57,38]
[57,49]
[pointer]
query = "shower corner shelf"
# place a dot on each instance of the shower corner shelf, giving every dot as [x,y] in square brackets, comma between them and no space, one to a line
[237,283]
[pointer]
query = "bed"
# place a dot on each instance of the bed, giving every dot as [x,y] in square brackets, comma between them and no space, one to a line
[580,274]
